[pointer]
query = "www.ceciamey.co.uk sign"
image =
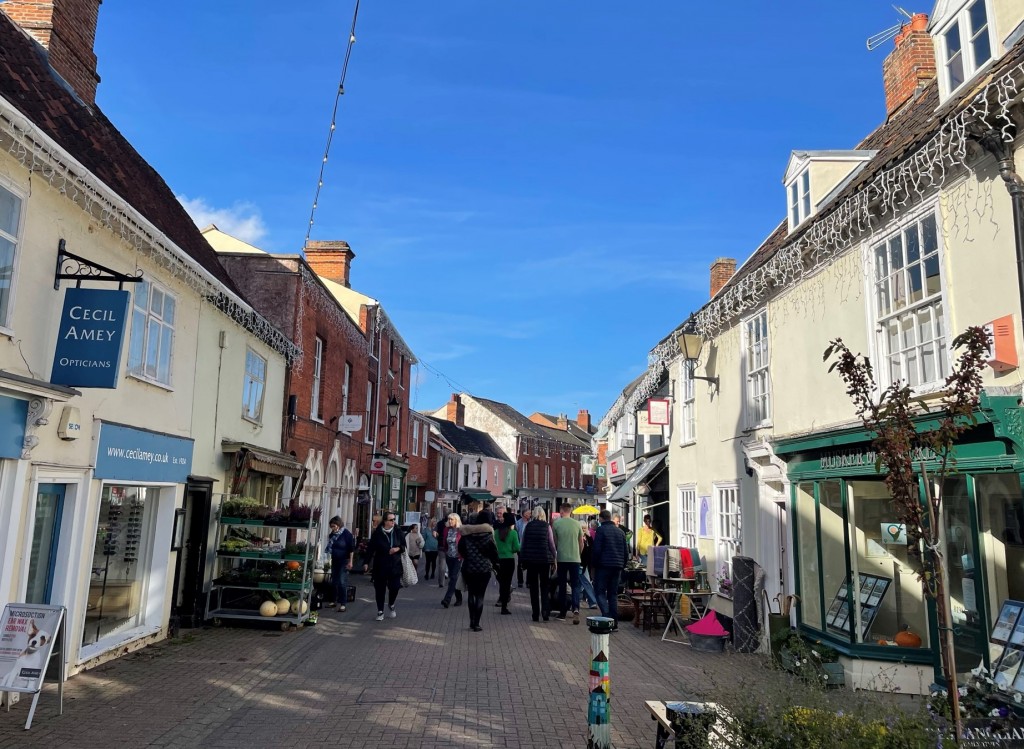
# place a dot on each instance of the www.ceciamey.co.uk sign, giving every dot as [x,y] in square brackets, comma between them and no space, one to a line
[89,339]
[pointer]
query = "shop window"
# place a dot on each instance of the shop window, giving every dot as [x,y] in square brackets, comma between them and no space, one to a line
[1001,531]
[253,386]
[10,229]
[688,517]
[119,570]
[909,307]
[152,338]
[807,549]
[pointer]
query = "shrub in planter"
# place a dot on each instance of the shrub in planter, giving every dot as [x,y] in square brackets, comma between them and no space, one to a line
[243,507]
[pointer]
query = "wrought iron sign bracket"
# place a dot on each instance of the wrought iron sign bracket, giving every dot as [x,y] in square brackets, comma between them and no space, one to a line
[72,267]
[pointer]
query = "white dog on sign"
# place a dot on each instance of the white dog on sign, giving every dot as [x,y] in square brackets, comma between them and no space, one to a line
[29,666]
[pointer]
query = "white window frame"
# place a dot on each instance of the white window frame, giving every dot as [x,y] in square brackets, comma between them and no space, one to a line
[728,525]
[253,411]
[798,198]
[967,37]
[368,430]
[345,387]
[415,450]
[6,320]
[139,369]
[687,515]
[572,478]
[563,477]
[526,475]
[757,370]
[688,402]
[891,304]
[547,477]
[536,475]
[318,361]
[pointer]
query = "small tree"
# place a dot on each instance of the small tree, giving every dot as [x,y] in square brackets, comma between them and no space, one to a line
[889,415]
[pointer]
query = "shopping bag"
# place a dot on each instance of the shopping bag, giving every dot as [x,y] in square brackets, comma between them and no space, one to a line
[409,577]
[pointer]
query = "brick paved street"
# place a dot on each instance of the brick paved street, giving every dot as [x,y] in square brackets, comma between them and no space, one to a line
[423,680]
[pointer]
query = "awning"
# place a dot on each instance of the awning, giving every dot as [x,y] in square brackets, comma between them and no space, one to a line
[478,496]
[250,458]
[647,469]
[269,463]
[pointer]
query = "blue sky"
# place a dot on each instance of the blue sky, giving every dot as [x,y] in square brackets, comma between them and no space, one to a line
[534,190]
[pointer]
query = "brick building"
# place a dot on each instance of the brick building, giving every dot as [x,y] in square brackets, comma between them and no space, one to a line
[341,394]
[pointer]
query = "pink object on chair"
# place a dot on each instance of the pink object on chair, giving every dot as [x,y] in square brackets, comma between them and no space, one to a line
[708,625]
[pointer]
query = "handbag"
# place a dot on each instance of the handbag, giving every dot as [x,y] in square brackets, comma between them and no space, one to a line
[409,577]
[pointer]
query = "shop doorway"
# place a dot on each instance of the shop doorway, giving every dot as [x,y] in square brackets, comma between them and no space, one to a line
[45,542]
[190,567]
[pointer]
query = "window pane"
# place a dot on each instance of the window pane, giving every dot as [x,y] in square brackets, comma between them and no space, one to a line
[955,71]
[10,212]
[137,344]
[896,252]
[6,273]
[914,283]
[152,347]
[163,373]
[913,245]
[982,49]
[156,302]
[794,205]
[881,262]
[168,309]
[142,295]
[806,188]
[978,17]
[952,38]
[931,274]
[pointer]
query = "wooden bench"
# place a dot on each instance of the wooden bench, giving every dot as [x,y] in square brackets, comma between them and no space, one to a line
[708,727]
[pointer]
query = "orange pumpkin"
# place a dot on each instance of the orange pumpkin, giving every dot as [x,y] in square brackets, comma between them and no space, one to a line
[293,565]
[908,639]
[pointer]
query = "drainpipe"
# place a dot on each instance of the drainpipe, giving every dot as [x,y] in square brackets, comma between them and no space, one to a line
[992,141]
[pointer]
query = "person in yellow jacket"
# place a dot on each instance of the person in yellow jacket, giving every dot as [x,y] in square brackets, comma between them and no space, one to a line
[646,537]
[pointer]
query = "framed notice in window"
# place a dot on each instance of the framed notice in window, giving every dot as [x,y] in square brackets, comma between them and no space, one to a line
[870,591]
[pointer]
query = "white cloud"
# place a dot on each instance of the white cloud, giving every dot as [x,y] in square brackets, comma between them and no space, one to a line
[242,220]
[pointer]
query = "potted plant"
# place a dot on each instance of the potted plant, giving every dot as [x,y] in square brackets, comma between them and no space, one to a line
[816,662]
[724,580]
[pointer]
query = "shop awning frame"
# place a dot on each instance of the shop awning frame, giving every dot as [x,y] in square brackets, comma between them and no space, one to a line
[646,470]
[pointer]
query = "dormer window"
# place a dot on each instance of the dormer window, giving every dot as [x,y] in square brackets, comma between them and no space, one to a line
[965,45]
[800,199]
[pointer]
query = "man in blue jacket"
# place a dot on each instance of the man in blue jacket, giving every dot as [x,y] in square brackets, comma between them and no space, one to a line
[609,556]
[340,548]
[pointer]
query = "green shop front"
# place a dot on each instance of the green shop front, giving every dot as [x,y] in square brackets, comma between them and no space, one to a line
[856,582]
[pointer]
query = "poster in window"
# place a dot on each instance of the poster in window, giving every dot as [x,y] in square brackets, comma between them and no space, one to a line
[1007,669]
[1017,638]
[1004,626]
[704,528]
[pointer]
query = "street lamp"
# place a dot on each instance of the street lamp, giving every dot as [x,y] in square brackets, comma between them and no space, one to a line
[690,343]
[393,407]
[479,471]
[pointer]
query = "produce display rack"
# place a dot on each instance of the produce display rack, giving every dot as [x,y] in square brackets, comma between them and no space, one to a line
[233,596]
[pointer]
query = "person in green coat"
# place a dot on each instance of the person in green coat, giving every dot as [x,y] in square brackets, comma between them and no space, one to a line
[507,541]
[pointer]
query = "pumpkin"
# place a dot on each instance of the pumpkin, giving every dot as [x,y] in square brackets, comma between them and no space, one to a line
[319,575]
[268,608]
[282,604]
[293,565]
[908,639]
[296,606]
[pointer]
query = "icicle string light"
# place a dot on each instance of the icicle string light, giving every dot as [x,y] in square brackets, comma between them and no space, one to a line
[44,160]
[919,175]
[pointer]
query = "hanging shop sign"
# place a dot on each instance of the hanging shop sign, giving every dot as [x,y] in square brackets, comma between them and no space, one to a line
[378,466]
[658,411]
[141,455]
[89,338]
[644,426]
[616,466]
[587,464]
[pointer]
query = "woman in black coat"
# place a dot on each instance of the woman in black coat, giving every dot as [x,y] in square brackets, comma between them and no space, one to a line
[480,557]
[537,554]
[385,549]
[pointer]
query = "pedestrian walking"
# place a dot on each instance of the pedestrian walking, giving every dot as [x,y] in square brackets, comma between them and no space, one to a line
[449,544]
[609,557]
[384,551]
[414,544]
[537,552]
[520,526]
[480,558]
[569,542]
[507,541]
[430,552]
[439,534]
[341,545]
[586,559]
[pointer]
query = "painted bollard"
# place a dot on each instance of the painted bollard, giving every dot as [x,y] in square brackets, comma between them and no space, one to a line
[599,712]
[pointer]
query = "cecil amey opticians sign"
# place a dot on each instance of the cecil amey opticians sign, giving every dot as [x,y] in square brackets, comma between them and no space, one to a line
[89,338]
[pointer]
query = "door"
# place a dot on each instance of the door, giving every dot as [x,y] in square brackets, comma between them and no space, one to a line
[45,542]
[190,568]
[963,572]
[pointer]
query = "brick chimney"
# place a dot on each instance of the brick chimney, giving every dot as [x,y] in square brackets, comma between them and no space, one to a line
[67,29]
[562,422]
[330,259]
[910,66]
[583,420]
[721,271]
[456,411]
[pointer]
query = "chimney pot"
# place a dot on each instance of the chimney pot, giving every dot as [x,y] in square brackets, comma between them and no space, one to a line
[910,65]
[456,412]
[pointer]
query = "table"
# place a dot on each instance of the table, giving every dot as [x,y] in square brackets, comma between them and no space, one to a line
[670,597]
[699,600]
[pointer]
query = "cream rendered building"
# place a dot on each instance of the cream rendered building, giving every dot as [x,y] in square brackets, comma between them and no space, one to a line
[895,247]
[92,479]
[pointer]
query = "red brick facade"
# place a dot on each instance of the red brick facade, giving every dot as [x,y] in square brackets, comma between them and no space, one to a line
[910,66]
[721,271]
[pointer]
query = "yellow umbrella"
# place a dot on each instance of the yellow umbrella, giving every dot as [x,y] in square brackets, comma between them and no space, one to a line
[585,510]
